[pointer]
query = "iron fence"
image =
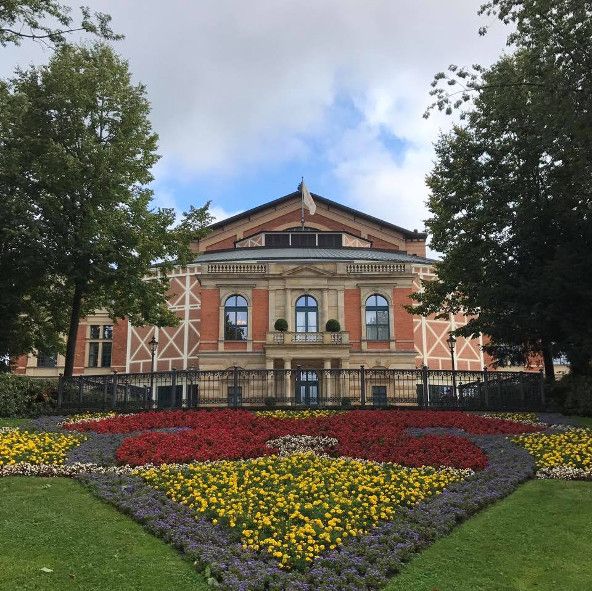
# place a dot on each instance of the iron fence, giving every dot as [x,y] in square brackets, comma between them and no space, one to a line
[304,387]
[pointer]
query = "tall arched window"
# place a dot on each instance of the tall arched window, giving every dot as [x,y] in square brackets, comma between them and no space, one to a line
[236,318]
[377,318]
[307,314]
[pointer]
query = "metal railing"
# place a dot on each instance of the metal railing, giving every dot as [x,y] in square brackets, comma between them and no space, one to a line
[308,338]
[304,387]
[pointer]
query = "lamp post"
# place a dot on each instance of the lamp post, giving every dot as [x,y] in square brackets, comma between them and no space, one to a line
[153,347]
[451,344]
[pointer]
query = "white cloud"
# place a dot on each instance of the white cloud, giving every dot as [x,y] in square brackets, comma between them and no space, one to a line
[241,84]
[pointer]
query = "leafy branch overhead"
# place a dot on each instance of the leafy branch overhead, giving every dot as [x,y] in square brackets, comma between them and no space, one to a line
[78,149]
[49,21]
[510,199]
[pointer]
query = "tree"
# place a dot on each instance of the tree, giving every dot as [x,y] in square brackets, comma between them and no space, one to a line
[48,21]
[510,194]
[81,150]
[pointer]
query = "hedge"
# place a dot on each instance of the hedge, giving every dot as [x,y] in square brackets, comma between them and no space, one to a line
[22,396]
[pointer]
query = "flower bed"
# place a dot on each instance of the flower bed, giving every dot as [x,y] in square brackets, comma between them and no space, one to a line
[297,507]
[561,455]
[236,434]
[18,446]
[295,501]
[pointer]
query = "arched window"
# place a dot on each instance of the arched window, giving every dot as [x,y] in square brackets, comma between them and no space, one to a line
[377,318]
[236,318]
[307,314]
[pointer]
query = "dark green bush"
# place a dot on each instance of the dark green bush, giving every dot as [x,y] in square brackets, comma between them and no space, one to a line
[573,394]
[21,396]
[270,402]
[281,325]
[346,402]
[332,325]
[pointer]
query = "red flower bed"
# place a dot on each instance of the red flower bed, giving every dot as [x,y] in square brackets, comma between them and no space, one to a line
[234,434]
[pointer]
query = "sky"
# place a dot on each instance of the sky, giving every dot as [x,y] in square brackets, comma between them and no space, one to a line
[248,97]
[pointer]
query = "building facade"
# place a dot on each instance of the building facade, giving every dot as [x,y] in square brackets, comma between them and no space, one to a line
[260,267]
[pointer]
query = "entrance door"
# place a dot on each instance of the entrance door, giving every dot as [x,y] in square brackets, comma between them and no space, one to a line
[307,387]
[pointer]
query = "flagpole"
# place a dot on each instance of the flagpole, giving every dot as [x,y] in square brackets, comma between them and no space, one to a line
[302,203]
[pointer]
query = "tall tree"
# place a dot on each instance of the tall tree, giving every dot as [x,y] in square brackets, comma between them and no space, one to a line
[48,21]
[82,149]
[510,194]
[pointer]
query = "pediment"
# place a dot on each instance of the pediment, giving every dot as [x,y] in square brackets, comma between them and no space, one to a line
[307,271]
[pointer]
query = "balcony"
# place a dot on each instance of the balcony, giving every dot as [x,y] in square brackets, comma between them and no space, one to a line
[307,338]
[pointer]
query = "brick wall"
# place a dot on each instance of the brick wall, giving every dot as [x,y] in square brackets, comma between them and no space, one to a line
[210,304]
[260,317]
[403,320]
[352,302]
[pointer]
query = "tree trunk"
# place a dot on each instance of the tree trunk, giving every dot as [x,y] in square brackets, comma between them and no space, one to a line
[73,331]
[548,362]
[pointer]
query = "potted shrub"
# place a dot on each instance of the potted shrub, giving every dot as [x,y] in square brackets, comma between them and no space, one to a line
[281,325]
[333,325]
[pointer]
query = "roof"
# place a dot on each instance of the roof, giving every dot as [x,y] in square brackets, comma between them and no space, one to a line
[309,254]
[319,199]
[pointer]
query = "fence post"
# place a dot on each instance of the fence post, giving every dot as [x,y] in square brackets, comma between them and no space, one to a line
[486,388]
[362,385]
[542,389]
[60,390]
[114,400]
[105,390]
[425,388]
[174,388]
[145,405]
[80,390]
[234,398]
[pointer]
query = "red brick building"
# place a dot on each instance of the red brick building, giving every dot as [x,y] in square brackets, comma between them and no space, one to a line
[260,266]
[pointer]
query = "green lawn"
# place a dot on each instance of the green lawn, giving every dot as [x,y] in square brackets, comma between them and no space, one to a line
[584,421]
[539,538]
[56,524]
[14,422]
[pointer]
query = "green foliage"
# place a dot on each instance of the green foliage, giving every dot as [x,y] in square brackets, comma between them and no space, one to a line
[573,393]
[21,396]
[509,195]
[332,325]
[345,402]
[281,325]
[48,21]
[75,165]
[270,402]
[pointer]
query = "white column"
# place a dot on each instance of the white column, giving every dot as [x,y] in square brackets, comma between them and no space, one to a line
[288,382]
[325,315]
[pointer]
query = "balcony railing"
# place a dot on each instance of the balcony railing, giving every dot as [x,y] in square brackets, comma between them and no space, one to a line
[307,338]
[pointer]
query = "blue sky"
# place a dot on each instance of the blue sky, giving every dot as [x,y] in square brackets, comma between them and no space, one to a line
[249,97]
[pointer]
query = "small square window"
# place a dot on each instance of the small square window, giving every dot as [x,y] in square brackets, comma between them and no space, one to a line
[108,331]
[95,331]
[46,359]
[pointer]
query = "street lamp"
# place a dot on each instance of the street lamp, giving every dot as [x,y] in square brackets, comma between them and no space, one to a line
[451,344]
[153,347]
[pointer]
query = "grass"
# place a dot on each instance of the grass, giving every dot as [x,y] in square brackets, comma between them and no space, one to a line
[584,421]
[4,422]
[539,538]
[88,545]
